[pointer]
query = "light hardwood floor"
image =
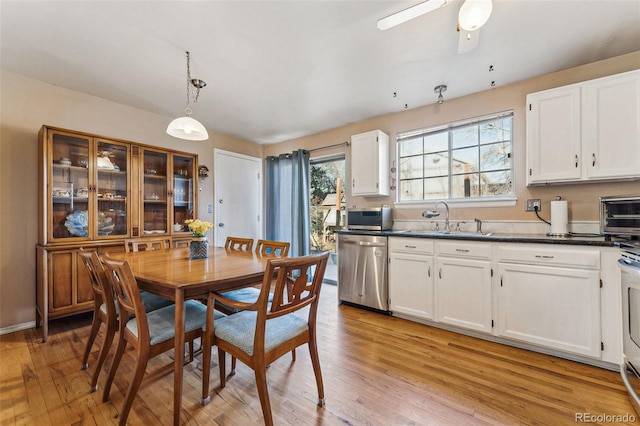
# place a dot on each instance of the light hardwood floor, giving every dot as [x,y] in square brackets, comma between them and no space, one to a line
[377,370]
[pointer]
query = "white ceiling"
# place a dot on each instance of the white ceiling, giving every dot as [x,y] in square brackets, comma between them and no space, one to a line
[276,70]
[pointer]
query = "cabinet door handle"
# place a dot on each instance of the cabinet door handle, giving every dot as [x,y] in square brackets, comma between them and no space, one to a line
[544,256]
[440,273]
[353,183]
[462,250]
[429,271]
[593,160]
[411,247]
[576,160]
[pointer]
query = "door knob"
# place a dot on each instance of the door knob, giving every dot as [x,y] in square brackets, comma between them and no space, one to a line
[220,224]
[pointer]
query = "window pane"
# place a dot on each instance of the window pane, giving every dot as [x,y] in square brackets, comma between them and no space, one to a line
[499,130]
[436,165]
[465,185]
[496,183]
[465,160]
[411,147]
[466,136]
[495,156]
[437,142]
[411,190]
[436,188]
[411,167]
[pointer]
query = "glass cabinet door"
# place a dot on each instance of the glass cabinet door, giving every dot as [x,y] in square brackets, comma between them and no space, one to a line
[183,191]
[155,192]
[112,165]
[69,185]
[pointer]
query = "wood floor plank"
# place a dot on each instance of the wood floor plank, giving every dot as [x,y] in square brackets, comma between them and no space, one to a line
[377,370]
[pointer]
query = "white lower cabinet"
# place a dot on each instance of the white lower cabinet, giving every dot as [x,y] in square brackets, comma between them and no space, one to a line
[551,298]
[463,285]
[411,277]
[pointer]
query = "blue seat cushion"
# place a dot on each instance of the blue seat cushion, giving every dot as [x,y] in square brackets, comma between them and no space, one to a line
[161,321]
[239,329]
[244,295]
[153,302]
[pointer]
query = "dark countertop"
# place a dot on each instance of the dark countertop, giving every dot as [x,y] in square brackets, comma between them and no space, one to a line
[495,237]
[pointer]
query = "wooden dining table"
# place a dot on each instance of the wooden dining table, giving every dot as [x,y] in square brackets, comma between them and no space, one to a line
[171,274]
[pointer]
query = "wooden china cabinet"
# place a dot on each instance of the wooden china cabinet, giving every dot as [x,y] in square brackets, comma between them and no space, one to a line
[94,192]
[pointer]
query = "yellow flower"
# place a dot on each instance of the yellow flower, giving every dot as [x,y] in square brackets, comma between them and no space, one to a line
[198,227]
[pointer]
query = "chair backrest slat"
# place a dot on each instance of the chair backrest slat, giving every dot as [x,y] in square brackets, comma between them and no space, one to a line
[272,248]
[238,244]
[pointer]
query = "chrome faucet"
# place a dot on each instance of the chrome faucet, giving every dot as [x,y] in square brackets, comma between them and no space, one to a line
[434,213]
[447,228]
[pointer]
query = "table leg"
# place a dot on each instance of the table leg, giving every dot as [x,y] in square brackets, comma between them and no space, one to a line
[178,357]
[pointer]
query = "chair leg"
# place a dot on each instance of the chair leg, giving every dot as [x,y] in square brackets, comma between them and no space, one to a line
[315,361]
[221,364]
[138,374]
[104,351]
[95,327]
[263,392]
[233,366]
[122,344]
[293,355]
[206,370]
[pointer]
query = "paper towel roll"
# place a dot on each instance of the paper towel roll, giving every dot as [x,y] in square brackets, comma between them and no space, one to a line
[559,217]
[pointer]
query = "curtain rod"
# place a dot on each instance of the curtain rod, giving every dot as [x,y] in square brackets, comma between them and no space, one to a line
[345,143]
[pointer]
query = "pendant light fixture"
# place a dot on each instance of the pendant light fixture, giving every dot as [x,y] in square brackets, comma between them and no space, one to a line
[474,14]
[187,127]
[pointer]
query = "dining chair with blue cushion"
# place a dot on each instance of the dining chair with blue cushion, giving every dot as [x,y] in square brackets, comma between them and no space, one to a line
[150,333]
[263,331]
[105,310]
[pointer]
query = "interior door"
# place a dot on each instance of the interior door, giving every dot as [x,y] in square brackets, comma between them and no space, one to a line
[238,196]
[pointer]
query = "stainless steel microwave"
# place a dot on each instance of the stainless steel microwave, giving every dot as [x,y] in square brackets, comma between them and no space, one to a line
[370,219]
[620,215]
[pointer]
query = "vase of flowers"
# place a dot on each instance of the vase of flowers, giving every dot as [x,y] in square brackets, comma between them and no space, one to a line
[199,247]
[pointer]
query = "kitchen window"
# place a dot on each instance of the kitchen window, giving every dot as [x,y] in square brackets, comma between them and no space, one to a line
[457,161]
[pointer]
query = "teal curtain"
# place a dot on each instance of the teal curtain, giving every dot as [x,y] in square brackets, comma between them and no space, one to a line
[287,200]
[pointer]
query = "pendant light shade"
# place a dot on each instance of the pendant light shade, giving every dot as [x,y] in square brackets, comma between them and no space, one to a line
[474,14]
[187,128]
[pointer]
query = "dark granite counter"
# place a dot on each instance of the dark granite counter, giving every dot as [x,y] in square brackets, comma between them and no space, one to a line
[582,240]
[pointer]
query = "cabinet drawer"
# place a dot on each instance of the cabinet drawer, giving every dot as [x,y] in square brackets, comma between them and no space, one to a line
[465,249]
[411,245]
[558,257]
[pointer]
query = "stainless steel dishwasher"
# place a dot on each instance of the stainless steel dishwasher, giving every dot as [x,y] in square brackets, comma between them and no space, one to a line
[362,270]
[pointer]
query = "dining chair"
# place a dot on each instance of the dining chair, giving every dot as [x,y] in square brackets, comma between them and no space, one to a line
[238,244]
[105,310]
[150,333]
[146,244]
[262,332]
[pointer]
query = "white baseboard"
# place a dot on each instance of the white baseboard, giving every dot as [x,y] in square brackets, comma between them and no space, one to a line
[17,327]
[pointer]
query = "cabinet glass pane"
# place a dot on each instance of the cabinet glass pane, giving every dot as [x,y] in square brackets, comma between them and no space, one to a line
[155,192]
[183,190]
[69,186]
[112,167]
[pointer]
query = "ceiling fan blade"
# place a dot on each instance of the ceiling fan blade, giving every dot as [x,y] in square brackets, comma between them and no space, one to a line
[410,13]
[468,40]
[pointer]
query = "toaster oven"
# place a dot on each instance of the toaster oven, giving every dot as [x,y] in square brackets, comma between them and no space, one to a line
[620,215]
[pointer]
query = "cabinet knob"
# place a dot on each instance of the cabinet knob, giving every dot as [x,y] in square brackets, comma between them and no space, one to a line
[593,160]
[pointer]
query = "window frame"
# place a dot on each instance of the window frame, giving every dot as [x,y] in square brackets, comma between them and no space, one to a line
[449,128]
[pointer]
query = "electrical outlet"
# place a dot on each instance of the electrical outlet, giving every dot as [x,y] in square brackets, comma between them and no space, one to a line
[531,205]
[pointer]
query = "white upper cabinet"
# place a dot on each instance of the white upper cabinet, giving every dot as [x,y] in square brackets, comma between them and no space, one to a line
[585,132]
[370,164]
